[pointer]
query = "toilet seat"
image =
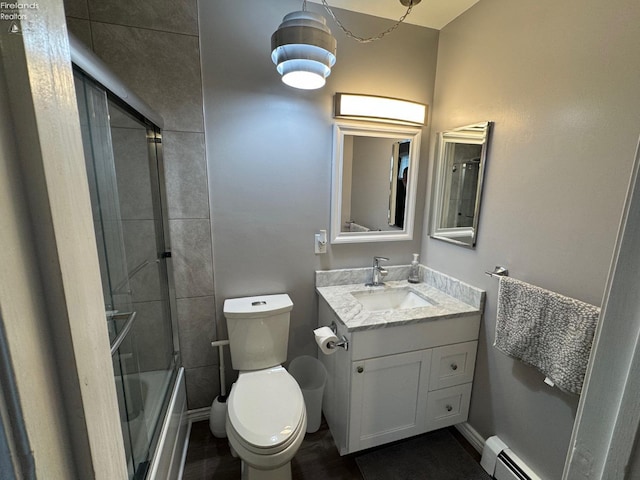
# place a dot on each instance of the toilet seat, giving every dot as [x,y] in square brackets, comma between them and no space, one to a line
[266,451]
[266,410]
[273,459]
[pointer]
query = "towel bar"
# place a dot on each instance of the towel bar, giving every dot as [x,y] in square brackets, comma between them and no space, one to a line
[498,272]
[130,316]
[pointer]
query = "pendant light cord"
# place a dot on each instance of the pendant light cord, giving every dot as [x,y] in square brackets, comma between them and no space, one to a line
[355,37]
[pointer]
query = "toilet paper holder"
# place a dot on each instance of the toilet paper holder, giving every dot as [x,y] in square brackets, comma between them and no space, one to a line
[344,343]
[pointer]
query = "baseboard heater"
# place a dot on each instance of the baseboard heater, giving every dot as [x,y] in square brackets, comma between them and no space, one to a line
[502,464]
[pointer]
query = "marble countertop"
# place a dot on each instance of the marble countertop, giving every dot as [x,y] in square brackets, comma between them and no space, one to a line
[445,304]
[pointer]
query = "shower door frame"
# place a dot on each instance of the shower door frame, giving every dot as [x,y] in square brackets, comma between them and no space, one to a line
[89,66]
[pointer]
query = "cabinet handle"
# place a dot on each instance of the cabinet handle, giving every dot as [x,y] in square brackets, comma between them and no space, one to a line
[360,369]
[449,408]
[454,366]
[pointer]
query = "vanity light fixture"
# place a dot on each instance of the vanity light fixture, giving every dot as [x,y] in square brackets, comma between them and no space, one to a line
[304,50]
[380,109]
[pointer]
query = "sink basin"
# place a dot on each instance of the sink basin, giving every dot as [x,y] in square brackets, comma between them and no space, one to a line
[390,299]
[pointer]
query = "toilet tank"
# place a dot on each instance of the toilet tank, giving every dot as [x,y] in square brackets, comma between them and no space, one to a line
[258,330]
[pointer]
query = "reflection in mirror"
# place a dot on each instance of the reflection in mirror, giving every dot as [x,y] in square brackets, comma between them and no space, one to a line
[459,167]
[374,178]
[375,198]
[399,175]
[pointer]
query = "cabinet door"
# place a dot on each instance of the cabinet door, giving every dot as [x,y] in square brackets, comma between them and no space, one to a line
[388,398]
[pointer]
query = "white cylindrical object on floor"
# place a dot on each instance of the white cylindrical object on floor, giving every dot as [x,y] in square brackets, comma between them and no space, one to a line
[217,417]
[311,375]
[324,336]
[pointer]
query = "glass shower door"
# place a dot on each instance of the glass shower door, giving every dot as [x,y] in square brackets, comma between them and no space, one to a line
[121,153]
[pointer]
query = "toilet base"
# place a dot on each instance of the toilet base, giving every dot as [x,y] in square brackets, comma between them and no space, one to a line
[280,473]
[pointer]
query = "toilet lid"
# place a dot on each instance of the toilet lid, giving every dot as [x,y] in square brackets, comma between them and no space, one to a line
[265,407]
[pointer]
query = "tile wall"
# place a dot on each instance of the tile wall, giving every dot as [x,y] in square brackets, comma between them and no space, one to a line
[153,46]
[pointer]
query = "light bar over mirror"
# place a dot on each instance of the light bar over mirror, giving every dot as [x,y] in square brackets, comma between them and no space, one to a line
[379,109]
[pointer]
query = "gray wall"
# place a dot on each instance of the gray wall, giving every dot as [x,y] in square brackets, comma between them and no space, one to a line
[560,80]
[154,48]
[269,150]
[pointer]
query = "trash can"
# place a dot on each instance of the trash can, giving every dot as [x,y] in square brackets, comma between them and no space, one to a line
[311,375]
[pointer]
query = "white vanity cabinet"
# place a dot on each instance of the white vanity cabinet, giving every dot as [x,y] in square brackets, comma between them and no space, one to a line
[398,381]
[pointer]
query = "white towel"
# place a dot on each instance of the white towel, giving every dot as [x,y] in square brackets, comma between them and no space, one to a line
[547,330]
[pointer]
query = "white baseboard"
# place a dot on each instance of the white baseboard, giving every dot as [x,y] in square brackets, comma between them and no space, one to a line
[199,414]
[471,435]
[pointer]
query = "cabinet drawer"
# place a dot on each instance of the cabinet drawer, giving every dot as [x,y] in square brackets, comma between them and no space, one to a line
[448,406]
[452,365]
[379,342]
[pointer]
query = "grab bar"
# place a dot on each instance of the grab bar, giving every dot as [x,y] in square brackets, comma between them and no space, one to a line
[125,330]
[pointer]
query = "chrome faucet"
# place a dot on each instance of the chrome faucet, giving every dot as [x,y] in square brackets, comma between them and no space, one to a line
[378,272]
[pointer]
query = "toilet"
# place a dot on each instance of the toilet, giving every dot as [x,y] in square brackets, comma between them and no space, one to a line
[266,416]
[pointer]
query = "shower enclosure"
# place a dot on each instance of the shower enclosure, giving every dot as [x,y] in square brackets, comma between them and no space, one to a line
[123,154]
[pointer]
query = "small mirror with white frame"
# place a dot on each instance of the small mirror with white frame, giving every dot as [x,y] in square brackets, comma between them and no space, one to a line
[461,156]
[374,182]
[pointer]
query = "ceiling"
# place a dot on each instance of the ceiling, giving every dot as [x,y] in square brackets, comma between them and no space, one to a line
[429,13]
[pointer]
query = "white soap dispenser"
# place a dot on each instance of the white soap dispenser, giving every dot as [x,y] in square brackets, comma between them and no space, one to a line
[414,269]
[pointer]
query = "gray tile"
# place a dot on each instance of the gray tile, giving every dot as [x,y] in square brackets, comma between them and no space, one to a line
[81,29]
[151,335]
[186,175]
[132,170]
[166,15]
[191,257]
[145,271]
[197,329]
[162,68]
[203,385]
[76,8]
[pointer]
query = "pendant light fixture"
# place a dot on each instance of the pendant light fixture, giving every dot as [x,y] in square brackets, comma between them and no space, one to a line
[304,50]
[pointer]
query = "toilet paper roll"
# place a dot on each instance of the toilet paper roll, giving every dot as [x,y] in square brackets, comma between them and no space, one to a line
[324,335]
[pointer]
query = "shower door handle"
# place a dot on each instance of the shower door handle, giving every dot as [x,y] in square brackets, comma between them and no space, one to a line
[130,316]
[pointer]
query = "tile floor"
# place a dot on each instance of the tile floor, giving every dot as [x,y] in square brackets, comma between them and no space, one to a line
[318,458]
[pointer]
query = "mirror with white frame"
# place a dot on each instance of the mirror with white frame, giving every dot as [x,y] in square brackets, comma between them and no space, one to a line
[375,171]
[457,189]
